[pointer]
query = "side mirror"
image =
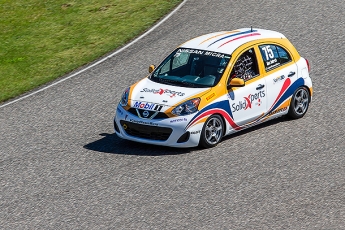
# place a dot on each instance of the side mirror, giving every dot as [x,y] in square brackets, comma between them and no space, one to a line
[236,82]
[151,68]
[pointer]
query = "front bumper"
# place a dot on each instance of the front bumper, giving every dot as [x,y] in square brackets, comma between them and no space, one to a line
[167,132]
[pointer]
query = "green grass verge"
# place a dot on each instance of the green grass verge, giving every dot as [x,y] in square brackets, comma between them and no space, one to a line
[41,40]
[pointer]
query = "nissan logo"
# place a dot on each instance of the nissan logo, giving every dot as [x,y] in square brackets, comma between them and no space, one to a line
[146,113]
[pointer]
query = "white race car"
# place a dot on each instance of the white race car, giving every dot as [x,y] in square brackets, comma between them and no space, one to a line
[215,85]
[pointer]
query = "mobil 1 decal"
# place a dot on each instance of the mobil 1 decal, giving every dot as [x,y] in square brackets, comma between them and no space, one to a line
[248,102]
[147,105]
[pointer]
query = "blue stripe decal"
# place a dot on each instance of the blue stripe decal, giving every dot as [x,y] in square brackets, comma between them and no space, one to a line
[217,105]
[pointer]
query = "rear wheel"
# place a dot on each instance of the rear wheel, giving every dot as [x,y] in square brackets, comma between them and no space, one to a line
[299,103]
[212,132]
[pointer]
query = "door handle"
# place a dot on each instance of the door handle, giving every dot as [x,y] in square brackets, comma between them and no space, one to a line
[291,74]
[260,87]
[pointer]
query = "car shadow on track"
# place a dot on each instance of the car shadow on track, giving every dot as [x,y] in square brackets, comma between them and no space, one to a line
[259,126]
[111,143]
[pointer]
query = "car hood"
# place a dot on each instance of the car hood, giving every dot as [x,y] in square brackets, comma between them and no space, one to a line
[148,95]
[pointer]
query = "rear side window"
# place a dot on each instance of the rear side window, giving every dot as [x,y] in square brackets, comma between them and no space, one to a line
[274,56]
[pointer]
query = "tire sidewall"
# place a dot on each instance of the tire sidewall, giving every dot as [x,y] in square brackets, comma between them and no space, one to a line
[203,141]
[292,113]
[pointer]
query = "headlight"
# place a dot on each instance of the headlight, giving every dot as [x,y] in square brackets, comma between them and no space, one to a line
[124,98]
[187,107]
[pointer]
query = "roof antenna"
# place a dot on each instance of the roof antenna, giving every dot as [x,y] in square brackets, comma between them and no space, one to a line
[251,29]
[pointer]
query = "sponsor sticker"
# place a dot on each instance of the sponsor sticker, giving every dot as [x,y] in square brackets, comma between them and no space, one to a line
[202,52]
[248,102]
[277,111]
[178,120]
[210,96]
[143,122]
[195,132]
[161,91]
[282,77]
[147,105]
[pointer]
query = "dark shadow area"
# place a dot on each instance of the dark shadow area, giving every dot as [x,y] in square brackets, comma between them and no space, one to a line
[111,143]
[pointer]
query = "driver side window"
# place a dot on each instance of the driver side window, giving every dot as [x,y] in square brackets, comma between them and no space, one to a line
[246,66]
[179,60]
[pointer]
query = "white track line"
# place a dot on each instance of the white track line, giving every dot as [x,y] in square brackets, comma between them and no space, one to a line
[100,61]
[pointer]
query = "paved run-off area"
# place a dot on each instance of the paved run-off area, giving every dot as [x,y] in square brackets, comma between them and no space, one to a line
[62,167]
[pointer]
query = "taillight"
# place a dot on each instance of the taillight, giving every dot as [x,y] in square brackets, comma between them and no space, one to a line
[308,64]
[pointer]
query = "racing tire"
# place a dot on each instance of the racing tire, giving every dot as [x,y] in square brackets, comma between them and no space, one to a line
[212,132]
[299,103]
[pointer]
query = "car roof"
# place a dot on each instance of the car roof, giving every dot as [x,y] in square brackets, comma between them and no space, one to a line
[228,41]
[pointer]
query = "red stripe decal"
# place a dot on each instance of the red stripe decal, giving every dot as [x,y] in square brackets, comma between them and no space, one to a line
[286,85]
[213,111]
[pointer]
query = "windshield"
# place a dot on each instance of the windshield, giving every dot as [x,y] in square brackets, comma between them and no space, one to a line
[191,68]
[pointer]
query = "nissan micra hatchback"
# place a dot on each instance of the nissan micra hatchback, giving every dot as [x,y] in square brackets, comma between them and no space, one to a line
[215,85]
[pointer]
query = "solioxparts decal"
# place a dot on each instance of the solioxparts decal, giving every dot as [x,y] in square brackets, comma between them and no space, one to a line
[161,91]
[248,101]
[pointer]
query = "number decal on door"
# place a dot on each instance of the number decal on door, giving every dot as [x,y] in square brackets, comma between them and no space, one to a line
[268,52]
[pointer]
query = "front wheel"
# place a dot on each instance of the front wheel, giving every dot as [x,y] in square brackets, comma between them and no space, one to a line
[299,103]
[212,132]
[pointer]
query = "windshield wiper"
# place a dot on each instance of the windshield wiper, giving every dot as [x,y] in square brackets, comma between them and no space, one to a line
[170,82]
[180,83]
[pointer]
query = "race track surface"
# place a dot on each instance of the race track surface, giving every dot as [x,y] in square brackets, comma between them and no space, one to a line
[62,167]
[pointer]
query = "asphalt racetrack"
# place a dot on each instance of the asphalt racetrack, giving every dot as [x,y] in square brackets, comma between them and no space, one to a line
[62,166]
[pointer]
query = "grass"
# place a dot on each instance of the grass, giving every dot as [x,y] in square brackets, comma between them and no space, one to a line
[41,40]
